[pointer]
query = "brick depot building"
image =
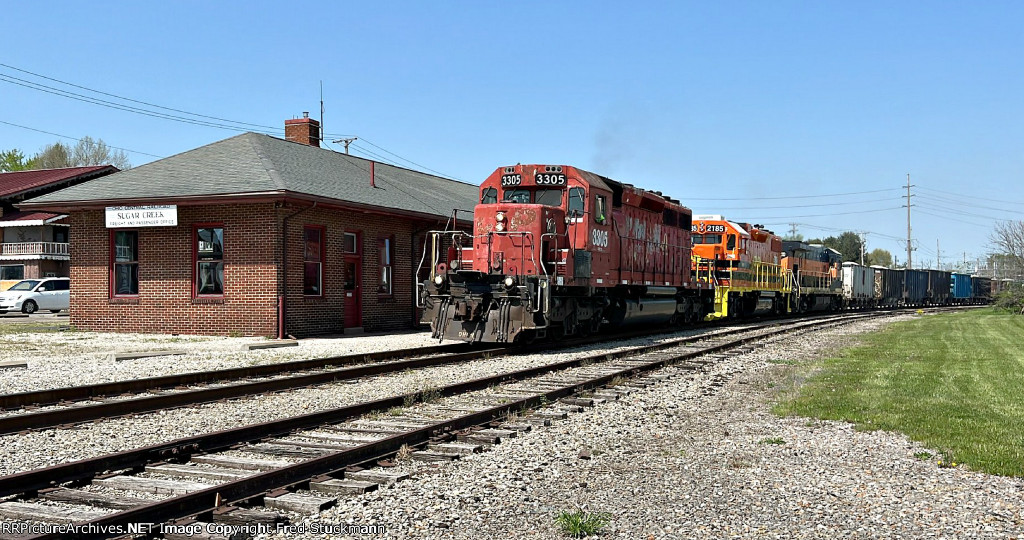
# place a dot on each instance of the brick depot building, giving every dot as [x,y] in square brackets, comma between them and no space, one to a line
[270,237]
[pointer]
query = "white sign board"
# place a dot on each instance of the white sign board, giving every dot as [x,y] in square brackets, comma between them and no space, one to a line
[142,216]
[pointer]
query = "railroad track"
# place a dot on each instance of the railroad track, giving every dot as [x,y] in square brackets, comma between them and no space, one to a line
[249,474]
[65,407]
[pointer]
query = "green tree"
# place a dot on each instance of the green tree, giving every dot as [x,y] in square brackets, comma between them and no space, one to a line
[87,151]
[54,156]
[879,257]
[14,160]
[847,243]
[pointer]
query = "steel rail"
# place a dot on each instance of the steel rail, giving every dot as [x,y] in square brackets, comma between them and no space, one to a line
[207,500]
[34,480]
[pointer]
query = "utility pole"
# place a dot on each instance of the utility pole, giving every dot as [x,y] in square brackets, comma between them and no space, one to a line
[792,230]
[862,246]
[938,256]
[346,142]
[909,245]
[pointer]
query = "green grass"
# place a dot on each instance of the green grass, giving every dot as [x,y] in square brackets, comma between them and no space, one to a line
[579,523]
[952,382]
[772,440]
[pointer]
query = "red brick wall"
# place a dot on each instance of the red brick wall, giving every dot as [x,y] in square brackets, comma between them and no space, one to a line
[165,303]
[252,255]
[311,316]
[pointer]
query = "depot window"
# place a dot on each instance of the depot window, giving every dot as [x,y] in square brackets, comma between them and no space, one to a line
[12,272]
[124,263]
[209,257]
[313,260]
[386,247]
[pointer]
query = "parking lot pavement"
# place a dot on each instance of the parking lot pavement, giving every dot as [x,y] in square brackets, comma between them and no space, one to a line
[15,317]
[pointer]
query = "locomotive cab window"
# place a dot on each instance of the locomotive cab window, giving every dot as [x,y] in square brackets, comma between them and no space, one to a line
[731,243]
[520,196]
[548,197]
[489,196]
[707,239]
[577,202]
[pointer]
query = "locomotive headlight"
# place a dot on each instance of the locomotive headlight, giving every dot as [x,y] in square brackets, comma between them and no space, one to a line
[509,281]
[499,217]
[499,227]
[438,279]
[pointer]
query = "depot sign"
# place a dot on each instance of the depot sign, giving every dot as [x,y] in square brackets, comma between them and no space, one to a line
[142,216]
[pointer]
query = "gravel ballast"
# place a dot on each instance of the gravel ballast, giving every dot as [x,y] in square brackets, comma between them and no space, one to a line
[698,456]
[53,446]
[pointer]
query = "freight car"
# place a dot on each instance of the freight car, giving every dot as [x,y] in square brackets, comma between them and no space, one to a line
[817,274]
[858,285]
[939,283]
[981,290]
[888,286]
[745,261]
[558,250]
[915,287]
[962,288]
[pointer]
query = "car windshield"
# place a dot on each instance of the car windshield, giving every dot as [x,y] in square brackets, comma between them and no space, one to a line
[26,285]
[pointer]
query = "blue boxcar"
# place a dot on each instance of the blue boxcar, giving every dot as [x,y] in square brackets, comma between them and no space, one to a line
[962,287]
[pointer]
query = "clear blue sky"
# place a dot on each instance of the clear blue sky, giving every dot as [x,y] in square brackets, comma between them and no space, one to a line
[705,101]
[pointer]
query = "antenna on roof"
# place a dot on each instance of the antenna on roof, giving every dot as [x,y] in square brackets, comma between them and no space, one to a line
[322,111]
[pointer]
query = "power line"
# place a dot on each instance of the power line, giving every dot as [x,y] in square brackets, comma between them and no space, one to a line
[77,139]
[792,196]
[823,215]
[211,121]
[952,218]
[134,100]
[963,203]
[118,106]
[969,196]
[802,205]
[365,140]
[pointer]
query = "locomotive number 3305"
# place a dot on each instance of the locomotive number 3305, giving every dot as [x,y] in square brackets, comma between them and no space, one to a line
[547,179]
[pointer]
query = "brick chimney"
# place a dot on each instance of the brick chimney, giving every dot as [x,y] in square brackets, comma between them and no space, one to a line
[303,130]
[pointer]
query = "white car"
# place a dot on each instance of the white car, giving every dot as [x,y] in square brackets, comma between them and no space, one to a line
[31,295]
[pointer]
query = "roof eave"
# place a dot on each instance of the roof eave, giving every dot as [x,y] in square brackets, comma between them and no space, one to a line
[251,197]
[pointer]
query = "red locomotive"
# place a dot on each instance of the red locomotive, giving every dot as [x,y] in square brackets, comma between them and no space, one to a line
[557,250]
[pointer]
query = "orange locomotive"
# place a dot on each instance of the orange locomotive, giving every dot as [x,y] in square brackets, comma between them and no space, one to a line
[746,262]
[557,250]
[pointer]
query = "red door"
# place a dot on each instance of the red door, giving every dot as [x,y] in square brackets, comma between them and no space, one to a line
[353,280]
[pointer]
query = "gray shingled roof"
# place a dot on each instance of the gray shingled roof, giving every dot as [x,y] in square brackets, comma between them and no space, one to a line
[255,163]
